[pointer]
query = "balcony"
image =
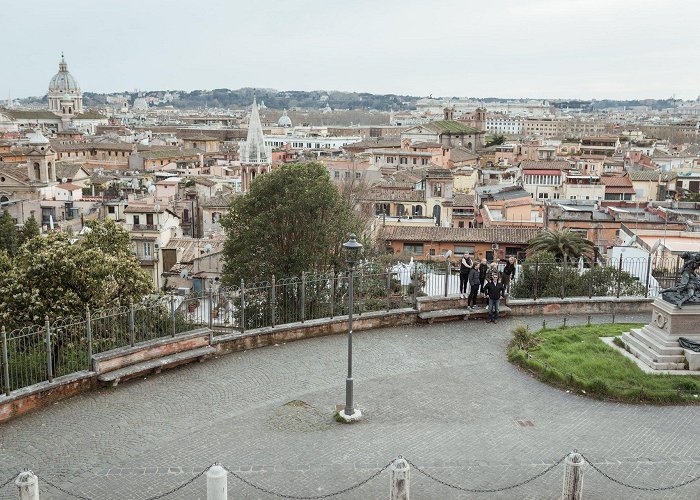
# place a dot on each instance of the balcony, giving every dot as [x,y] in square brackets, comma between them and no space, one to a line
[145,227]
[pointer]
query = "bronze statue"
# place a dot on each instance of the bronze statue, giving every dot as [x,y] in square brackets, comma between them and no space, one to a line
[687,288]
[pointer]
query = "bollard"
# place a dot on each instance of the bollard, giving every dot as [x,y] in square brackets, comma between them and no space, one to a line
[216,483]
[27,486]
[400,480]
[573,477]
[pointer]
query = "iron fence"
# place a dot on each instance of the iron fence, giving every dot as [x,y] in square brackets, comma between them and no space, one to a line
[38,353]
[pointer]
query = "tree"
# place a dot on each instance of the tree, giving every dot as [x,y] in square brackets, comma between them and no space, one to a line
[9,237]
[293,220]
[30,230]
[562,244]
[52,277]
[496,140]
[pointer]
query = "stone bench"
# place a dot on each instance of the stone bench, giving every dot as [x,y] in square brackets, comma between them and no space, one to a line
[461,313]
[131,361]
[155,365]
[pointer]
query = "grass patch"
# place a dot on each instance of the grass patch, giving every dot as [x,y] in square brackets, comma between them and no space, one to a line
[575,358]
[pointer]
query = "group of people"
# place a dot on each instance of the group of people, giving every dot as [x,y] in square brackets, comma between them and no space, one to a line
[480,277]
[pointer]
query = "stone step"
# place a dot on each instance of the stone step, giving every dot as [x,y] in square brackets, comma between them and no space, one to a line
[658,336]
[638,346]
[652,341]
[655,364]
[462,313]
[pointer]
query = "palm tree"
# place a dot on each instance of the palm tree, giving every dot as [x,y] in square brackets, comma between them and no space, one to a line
[563,244]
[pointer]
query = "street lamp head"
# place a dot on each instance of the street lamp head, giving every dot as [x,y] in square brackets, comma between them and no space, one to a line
[352,246]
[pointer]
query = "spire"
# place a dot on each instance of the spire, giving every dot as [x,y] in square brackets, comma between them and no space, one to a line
[62,66]
[254,150]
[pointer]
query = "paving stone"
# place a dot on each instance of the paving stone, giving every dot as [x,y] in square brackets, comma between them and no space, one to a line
[443,396]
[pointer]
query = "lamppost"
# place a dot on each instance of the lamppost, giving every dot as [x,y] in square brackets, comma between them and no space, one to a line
[352,246]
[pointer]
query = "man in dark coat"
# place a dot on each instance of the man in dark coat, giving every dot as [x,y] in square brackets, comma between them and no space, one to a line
[494,290]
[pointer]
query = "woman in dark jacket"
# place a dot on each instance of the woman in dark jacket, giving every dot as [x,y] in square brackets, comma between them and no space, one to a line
[465,265]
[483,269]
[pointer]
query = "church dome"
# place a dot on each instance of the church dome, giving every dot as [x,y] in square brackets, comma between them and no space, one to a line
[284,120]
[36,138]
[63,81]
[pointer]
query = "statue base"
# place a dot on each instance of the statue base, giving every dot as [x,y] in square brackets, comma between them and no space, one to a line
[656,344]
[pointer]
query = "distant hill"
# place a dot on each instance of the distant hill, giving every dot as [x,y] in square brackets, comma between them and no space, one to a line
[241,98]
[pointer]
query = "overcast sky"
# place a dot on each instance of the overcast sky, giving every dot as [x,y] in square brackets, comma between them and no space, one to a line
[623,49]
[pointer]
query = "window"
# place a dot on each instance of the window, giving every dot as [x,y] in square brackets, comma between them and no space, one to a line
[336,175]
[414,161]
[424,161]
[110,210]
[417,211]
[432,252]
[437,189]
[185,215]
[413,248]
[146,249]
[136,220]
[149,219]
[461,223]
[403,161]
[461,250]
[400,209]
[358,175]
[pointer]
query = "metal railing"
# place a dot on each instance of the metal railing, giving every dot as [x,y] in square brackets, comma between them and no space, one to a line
[39,353]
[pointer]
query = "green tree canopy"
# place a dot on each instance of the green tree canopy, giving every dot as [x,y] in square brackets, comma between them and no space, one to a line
[9,236]
[293,220]
[50,276]
[562,244]
[30,230]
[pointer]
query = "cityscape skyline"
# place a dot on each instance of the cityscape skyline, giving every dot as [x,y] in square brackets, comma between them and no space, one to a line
[388,49]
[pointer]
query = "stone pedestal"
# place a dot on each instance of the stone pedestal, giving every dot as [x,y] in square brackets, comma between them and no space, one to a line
[656,344]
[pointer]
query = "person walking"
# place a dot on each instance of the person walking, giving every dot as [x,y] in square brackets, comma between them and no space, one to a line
[474,286]
[508,272]
[465,265]
[494,290]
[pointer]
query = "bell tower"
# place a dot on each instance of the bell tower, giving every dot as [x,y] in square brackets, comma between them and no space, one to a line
[41,159]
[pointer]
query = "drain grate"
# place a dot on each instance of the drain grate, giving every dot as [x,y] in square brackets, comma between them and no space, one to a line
[525,423]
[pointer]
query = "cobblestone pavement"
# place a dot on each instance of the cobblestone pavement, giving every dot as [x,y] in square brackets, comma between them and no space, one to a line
[444,396]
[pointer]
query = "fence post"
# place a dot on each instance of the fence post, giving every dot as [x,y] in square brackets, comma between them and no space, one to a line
[211,305]
[216,483]
[399,480]
[49,354]
[302,309]
[619,277]
[5,365]
[590,280]
[132,324]
[242,305]
[563,275]
[388,290]
[646,286]
[358,278]
[537,276]
[573,477]
[448,267]
[172,312]
[27,486]
[273,302]
[333,285]
[88,333]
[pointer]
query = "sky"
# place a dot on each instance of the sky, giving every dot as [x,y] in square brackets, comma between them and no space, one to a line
[587,49]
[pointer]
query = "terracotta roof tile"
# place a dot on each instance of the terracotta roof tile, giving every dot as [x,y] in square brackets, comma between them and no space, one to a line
[514,235]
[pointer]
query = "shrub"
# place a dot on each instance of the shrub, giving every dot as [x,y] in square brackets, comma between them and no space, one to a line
[523,337]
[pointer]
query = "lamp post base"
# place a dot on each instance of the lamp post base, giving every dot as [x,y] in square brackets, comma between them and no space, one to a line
[355,417]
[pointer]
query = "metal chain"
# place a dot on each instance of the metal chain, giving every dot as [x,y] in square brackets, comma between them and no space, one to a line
[156,497]
[491,490]
[642,488]
[178,488]
[74,495]
[311,497]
